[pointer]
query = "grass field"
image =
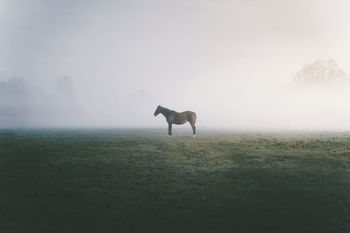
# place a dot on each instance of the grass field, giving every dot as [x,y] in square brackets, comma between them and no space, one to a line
[142,181]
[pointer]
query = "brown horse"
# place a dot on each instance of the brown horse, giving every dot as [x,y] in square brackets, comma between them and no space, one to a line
[177,118]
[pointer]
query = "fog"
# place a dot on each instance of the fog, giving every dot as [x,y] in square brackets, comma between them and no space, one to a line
[235,63]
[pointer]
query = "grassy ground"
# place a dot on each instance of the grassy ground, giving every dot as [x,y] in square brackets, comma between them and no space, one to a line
[141,181]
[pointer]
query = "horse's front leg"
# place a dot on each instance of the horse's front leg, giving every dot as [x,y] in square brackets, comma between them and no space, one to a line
[170,126]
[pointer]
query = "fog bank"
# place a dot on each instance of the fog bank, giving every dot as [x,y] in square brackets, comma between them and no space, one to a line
[109,64]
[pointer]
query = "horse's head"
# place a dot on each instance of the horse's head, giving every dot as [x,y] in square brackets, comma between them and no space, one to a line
[157,110]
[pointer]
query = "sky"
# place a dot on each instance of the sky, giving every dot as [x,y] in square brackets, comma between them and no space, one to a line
[111,63]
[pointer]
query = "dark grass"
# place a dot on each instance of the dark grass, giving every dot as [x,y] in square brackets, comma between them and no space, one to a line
[141,181]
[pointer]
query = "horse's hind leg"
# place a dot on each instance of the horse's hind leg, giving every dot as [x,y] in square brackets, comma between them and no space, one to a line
[193,129]
[193,123]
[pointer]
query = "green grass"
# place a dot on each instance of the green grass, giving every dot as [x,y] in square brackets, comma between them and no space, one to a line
[141,181]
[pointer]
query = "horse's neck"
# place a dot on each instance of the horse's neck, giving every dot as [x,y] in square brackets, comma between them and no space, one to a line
[165,111]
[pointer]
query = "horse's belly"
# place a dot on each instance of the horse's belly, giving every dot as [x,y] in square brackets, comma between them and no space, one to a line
[180,120]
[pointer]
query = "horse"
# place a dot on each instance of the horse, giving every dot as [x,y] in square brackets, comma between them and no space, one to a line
[178,118]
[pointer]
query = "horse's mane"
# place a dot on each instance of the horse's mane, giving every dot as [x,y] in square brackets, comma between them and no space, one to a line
[164,108]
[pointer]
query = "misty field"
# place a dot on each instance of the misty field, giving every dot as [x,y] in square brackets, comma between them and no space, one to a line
[142,181]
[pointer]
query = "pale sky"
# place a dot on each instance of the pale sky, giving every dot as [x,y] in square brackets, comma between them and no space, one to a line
[221,58]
